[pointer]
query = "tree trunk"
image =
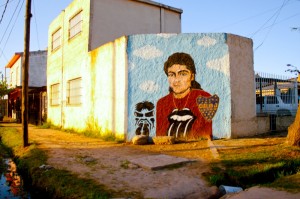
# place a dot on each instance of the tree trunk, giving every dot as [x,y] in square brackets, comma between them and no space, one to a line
[293,137]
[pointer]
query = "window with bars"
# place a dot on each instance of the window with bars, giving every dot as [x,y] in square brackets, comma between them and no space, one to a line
[75,25]
[56,39]
[74,92]
[54,99]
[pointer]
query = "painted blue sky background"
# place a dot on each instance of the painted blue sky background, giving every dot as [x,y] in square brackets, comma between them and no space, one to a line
[268,22]
[148,82]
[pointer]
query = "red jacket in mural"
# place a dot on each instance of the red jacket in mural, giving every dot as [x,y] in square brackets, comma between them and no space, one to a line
[181,117]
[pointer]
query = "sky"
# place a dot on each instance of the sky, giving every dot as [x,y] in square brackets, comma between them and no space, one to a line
[273,25]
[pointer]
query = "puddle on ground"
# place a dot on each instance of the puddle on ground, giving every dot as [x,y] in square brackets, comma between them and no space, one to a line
[11,183]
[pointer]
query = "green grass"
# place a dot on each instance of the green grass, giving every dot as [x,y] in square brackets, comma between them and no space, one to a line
[89,132]
[268,161]
[59,183]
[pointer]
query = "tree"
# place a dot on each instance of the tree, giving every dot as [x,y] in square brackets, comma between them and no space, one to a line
[4,90]
[293,137]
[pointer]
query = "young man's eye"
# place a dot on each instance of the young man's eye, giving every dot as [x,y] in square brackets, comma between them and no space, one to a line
[170,74]
[183,74]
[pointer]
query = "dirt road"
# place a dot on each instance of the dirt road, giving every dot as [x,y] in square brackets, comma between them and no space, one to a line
[109,164]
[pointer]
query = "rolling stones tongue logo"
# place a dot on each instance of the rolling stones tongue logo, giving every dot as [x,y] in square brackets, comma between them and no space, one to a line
[208,106]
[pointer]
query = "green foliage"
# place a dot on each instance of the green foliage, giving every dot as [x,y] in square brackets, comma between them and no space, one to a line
[93,130]
[268,162]
[4,90]
[125,164]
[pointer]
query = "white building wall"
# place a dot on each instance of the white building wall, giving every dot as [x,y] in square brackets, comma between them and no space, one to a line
[16,74]
[67,63]
[107,102]
[37,69]
[101,24]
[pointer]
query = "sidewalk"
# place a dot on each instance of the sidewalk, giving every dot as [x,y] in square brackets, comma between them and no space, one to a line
[115,165]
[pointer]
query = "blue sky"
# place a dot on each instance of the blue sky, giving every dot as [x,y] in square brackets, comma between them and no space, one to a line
[268,23]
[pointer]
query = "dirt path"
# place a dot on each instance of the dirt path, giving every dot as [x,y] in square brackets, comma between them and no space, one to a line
[109,164]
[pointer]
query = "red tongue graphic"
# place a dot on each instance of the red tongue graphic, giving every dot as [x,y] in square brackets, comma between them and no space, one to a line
[208,106]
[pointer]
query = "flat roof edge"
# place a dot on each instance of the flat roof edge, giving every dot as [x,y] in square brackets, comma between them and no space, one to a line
[160,5]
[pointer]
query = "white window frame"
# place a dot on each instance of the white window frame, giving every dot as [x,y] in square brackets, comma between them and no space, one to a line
[75,25]
[54,97]
[74,91]
[56,39]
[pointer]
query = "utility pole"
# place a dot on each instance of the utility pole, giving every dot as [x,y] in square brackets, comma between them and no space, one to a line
[25,68]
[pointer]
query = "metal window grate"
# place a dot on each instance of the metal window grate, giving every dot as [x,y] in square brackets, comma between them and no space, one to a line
[75,25]
[74,92]
[54,100]
[276,95]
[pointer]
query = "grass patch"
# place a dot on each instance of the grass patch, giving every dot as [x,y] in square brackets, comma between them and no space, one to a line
[266,161]
[103,135]
[56,183]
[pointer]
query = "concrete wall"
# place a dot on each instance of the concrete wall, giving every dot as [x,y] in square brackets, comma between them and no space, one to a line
[113,19]
[263,124]
[37,69]
[242,84]
[106,83]
[100,24]
[66,63]
[148,82]
[134,67]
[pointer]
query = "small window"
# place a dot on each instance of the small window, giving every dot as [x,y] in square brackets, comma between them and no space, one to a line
[75,25]
[74,92]
[56,39]
[54,98]
[272,100]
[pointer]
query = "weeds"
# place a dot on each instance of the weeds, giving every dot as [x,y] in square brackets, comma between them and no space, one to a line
[59,183]
[252,161]
[125,164]
[94,132]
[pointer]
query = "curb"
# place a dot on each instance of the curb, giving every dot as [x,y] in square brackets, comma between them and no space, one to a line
[213,149]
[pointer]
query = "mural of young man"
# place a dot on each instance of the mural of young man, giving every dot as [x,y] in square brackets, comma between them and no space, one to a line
[187,111]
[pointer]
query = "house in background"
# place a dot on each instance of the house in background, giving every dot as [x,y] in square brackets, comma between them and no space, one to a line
[73,35]
[37,83]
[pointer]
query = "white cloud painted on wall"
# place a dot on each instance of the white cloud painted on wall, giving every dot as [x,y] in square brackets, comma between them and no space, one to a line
[166,35]
[149,86]
[221,64]
[148,52]
[206,41]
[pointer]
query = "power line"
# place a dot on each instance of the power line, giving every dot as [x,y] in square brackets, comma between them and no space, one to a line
[9,22]
[12,27]
[4,11]
[240,21]
[5,3]
[276,14]
[282,20]
[14,24]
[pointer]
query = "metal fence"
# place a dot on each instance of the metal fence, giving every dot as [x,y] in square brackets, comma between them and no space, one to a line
[276,95]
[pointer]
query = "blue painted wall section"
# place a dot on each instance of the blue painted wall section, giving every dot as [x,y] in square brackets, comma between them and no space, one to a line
[147,81]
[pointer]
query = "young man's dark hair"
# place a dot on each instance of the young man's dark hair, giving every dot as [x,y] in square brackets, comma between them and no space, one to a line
[182,59]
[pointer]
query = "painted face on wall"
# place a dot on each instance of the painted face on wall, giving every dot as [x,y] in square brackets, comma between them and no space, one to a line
[144,121]
[180,79]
